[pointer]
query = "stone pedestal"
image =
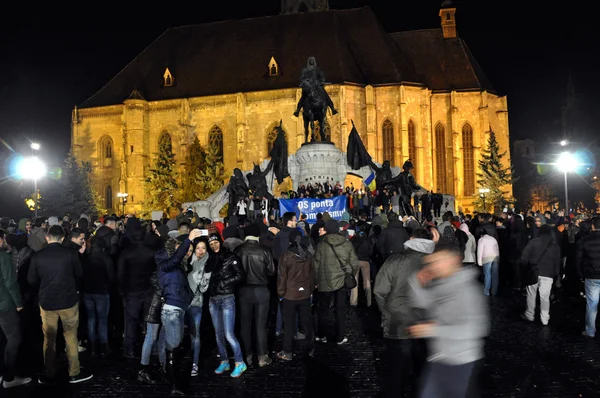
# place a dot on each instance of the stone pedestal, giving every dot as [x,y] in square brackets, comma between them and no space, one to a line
[317,162]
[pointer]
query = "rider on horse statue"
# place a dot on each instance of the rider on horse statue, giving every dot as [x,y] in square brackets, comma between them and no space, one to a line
[312,77]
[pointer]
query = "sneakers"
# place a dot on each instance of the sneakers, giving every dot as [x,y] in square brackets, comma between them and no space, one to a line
[299,336]
[249,360]
[321,339]
[240,368]
[523,317]
[194,370]
[284,356]
[264,360]
[80,347]
[144,376]
[16,382]
[46,381]
[343,341]
[311,353]
[223,367]
[81,377]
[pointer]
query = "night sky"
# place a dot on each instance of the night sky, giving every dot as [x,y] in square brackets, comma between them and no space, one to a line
[53,60]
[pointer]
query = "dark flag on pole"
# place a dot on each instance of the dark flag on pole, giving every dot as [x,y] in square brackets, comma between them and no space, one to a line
[279,155]
[356,153]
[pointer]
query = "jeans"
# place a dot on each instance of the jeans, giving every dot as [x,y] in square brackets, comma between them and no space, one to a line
[10,340]
[592,295]
[254,303]
[403,356]
[290,315]
[222,312]
[544,285]
[135,306]
[152,330]
[70,323]
[325,298]
[194,317]
[173,322]
[490,273]
[447,381]
[97,307]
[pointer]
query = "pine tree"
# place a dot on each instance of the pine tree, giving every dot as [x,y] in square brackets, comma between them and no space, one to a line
[212,176]
[161,186]
[195,162]
[493,176]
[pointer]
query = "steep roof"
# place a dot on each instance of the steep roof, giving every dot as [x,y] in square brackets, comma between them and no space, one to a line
[441,64]
[232,56]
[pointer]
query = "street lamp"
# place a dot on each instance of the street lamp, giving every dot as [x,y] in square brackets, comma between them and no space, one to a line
[567,162]
[482,192]
[123,196]
[35,146]
[32,168]
[564,143]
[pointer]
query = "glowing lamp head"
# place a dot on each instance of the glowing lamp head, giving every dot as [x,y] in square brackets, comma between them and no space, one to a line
[567,162]
[35,146]
[564,143]
[31,168]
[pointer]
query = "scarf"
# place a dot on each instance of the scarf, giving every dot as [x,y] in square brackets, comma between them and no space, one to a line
[198,279]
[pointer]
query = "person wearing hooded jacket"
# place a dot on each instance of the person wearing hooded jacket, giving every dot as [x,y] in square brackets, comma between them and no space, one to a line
[393,296]
[392,237]
[334,259]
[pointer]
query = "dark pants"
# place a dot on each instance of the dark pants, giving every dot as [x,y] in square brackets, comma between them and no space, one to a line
[10,340]
[449,381]
[324,299]
[254,305]
[135,306]
[289,322]
[97,307]
[403,356]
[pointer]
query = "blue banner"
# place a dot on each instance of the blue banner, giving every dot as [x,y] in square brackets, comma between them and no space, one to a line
[335,206]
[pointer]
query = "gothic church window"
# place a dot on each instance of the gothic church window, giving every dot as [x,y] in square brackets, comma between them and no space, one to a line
[412,144]
[273,67]
[215,140]
[168,78]
[271,136]
[468,160]
[105,151]
[108,197]
[388,141]
[440,156]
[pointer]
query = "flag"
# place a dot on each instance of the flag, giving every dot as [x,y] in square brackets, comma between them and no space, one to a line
[279,155]
[370,181]
[356,153]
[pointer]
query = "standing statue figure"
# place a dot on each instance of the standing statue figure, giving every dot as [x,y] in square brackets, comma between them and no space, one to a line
[257,181]
[383,176]
[315,100]
[406,184]
[237,189]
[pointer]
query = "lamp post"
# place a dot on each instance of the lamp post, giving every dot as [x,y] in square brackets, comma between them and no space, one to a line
[567,162]
[123,196]
[32,168]
[482,192]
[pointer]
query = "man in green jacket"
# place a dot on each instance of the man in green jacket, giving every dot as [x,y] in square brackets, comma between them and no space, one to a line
[393,295]
[10,303]
[334,258]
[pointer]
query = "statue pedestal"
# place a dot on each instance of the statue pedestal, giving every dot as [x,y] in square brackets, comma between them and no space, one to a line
[317,162]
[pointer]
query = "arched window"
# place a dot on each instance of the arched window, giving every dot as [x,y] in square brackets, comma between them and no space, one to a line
[468,160]
[388,141]
[108,197]
[412,144]
[105,151]
[440,156]
[164,142]
[108,149]
[215,140]
[271,136]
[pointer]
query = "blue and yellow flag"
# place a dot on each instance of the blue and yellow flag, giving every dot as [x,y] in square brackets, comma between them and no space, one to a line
[370,181]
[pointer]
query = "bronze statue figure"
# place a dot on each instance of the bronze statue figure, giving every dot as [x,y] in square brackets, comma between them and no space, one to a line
[257,181]
[405,184]
[237,189]
[314,101]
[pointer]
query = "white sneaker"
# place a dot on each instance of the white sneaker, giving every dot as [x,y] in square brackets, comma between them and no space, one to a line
[344,341]
[194,370]
[81,348]
[16,382]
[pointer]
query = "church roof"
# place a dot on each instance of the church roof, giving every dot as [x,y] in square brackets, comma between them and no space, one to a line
[232,56]
[442,64]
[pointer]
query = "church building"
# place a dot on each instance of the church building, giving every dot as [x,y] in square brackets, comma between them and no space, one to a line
[418,95]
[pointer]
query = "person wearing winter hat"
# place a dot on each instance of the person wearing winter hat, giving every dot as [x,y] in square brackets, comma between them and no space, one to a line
[334,259]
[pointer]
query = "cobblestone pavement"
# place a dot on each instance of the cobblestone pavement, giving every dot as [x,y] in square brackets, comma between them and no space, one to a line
[523,360]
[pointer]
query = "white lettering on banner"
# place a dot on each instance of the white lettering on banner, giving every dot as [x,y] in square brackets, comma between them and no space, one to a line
[322,203]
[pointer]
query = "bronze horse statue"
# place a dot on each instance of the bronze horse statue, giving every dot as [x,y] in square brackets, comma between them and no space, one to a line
[314,100]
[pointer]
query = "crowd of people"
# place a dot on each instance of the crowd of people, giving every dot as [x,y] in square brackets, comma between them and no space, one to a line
[121,285]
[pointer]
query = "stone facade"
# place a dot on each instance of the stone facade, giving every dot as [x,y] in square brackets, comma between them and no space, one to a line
[120,140]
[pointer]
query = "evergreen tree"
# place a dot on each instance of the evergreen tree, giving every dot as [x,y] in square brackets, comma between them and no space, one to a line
[195,163]
[212,176]
[161,185]
[493,176]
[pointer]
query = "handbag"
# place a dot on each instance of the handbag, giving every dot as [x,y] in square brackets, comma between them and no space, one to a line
[531,273]
[349,280]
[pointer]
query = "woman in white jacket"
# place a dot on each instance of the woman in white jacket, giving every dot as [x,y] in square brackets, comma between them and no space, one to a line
[488,257]
[470,247]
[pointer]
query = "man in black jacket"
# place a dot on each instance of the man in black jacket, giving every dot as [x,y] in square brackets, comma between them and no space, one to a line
[588,267]
[254,294]
[55,270]
[392,237]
